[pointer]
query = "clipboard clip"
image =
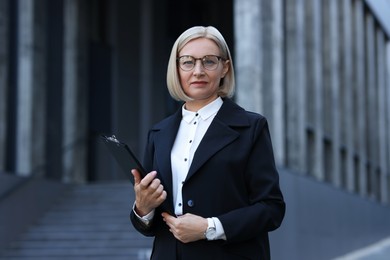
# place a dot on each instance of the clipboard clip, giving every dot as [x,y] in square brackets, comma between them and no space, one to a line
[111,139]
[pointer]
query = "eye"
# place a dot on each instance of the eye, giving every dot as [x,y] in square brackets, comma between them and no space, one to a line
[208,61]
[187,62]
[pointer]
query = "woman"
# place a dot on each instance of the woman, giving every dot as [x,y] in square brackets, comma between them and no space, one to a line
[214,189]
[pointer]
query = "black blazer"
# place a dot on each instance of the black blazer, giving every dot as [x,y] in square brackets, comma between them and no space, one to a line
[232,177]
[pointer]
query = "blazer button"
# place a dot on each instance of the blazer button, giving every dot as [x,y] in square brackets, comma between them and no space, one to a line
[190,203]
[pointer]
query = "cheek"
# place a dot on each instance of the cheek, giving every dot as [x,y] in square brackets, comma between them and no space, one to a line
[217,80]
[183,78]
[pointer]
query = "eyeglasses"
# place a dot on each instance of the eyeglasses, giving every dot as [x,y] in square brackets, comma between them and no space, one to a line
[209,62]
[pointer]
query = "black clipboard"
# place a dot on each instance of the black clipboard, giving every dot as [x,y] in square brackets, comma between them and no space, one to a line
[124,156]
[128,161]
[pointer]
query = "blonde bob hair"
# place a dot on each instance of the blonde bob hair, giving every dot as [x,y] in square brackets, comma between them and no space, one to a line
[173,82]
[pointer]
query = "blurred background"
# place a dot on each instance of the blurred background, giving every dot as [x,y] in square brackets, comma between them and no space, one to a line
[319,70]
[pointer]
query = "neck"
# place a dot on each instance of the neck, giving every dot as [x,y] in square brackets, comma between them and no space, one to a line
[196,105]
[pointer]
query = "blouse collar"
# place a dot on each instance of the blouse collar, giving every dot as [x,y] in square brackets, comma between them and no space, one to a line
[204,113]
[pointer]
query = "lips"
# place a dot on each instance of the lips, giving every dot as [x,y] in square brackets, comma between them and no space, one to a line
[198,83]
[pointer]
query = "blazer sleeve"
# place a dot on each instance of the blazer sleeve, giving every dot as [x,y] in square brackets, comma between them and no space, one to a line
[266,207]
[147,230]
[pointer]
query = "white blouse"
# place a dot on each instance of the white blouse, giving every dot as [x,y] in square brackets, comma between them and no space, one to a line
[192,128]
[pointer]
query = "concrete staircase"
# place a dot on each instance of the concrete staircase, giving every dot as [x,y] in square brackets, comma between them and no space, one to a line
[89,222]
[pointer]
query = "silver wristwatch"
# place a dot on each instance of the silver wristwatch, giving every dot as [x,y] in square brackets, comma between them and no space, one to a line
[211,230]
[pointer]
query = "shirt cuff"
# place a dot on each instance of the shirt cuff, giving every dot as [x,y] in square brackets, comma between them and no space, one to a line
[219,231]
[145,219]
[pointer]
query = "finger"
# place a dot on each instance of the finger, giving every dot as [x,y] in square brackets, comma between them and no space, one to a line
[169,220]
[164,215]
[136,175]
[157,192]
[155,184]
[145,182]
[163,196]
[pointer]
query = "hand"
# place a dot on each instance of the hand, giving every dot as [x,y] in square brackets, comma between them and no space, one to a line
[149,192]
[186,228]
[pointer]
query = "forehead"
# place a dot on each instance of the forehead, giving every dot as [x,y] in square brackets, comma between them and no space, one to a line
[200,47]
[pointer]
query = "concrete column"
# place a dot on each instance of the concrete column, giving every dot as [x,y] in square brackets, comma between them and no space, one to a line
[314,106]
[359,95]
[387,89]
[371,113]
[30,140]
[295,86]
[3,80]
[146,66]
[335,91]
[259,64]
[331,109]
[25,88]
[347,129]
[387,109]
[248,60]
[272,91]
[383,133]
[75,94]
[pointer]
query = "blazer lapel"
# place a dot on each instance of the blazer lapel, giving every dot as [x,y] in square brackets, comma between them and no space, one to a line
[165,137]
[220,133]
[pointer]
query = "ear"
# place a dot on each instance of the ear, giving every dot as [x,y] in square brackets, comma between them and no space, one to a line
[225,68]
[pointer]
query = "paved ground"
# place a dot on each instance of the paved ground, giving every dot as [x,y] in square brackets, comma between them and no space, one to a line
[377,251]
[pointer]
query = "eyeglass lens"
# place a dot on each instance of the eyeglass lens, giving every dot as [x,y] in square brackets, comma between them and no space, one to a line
[209,62]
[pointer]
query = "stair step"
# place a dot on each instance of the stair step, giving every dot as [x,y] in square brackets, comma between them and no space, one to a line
[89,221]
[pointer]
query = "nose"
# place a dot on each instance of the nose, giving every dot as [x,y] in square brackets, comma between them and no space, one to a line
[198,69]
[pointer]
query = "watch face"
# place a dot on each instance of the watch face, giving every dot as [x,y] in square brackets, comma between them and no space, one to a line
[210,233]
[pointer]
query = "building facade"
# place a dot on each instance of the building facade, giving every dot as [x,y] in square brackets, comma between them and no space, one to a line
[319,70]
[321,76]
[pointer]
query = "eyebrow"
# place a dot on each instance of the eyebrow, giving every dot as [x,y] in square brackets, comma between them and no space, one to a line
[199,57]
